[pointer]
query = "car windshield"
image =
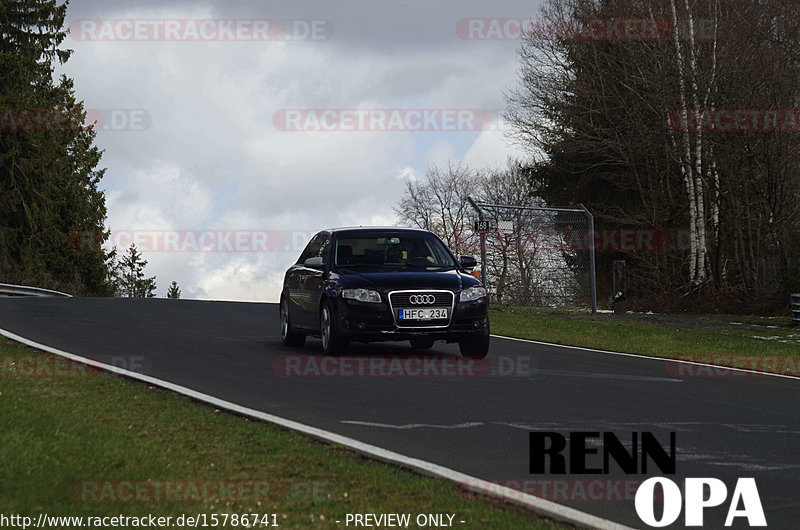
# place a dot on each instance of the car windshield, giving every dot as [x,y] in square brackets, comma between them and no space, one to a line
[403,249]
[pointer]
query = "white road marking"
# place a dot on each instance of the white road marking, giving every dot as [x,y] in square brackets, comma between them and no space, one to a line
[756,467]
[414,425]
[639,356]
[597,375]
[680,426]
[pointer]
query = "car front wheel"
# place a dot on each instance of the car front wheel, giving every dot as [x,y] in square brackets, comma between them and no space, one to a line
[476,347]
[288,336]
[332,342]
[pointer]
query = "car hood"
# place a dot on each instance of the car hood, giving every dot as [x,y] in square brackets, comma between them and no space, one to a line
[382,280]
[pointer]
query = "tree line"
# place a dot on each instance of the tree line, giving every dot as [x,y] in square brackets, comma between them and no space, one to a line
[49,168]
[694,130]
[49,171]
[691,130]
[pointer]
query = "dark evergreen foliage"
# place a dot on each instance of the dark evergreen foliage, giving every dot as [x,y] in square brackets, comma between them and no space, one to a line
[49,172]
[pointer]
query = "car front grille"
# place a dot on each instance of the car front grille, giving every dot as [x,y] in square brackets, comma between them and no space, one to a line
[402,300]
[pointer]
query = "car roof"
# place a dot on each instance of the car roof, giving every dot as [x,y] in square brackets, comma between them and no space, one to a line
[375,229]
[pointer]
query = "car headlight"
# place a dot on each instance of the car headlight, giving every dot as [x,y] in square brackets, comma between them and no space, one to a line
[472,293]
[361,295]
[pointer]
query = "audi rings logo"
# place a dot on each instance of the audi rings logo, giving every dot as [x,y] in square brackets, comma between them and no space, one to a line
[422,299]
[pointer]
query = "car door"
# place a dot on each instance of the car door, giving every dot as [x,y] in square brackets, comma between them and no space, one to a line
[307,284]
[314,281]
[294,284]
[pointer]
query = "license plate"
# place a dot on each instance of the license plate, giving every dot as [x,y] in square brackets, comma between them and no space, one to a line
[427,313]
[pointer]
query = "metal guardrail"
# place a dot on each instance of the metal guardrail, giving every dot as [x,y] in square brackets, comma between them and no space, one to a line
[7,289]
[796,307]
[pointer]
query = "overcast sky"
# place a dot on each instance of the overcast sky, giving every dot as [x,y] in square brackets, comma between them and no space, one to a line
[194,121]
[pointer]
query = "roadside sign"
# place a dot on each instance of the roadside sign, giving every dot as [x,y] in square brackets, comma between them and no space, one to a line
[483,226]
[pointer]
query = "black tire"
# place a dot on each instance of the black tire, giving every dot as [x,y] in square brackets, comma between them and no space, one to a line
[332,342]
[476,347]
[289,337]
[422,344]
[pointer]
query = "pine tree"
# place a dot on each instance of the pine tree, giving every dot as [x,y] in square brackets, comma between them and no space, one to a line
[114,274]
[174,291]
[48,163]
[133,282]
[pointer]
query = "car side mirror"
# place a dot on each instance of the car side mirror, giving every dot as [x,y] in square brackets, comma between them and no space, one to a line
[314,263]
[468,262]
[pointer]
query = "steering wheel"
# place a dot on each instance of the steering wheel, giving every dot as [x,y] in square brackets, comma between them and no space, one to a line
[420,260]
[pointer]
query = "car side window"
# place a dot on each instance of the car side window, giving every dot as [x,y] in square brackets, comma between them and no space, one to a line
[312,249]
[324,247]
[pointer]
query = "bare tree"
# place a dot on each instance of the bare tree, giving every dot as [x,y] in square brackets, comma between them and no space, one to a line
[512,252]
[439,204]
[521,256]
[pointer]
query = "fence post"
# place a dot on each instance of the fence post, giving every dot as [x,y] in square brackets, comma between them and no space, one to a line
[620,287]
[592,279]
[484,278]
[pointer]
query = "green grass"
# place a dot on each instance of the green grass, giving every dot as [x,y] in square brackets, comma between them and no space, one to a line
[770,344]
[70,432]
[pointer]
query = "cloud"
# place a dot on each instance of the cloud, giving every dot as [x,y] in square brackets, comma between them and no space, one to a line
[208,154]
[492,148]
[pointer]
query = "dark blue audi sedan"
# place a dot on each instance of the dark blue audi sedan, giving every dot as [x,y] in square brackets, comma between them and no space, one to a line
[379,284]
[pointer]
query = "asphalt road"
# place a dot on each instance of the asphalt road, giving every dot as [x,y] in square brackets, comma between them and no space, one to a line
[474,417]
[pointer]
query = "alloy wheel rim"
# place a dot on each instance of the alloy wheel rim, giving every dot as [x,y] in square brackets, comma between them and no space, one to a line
[284,320]
[326,328]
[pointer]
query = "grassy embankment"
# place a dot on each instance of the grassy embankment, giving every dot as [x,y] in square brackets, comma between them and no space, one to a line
[763,343]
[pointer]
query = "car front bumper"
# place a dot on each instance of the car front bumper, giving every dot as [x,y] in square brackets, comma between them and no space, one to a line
[369,322]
